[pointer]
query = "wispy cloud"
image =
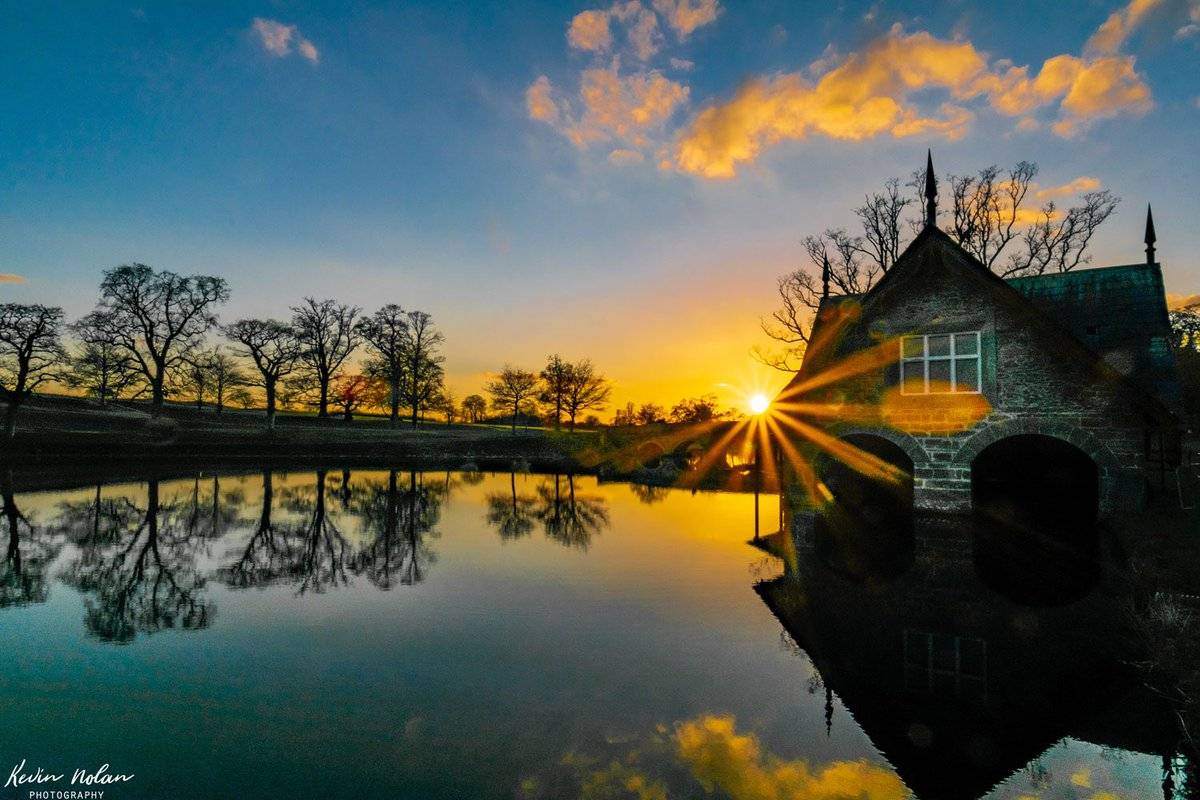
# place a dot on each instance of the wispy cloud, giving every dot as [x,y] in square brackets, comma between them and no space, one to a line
[10,278]
[279,39]
[1081,184]
[625,108]
[685,16]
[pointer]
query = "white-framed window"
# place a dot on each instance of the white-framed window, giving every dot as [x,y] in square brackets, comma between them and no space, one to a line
[941,363]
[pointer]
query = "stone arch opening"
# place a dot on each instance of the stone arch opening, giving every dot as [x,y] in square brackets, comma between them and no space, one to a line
[1036,501]
[865,531]
[1036,478]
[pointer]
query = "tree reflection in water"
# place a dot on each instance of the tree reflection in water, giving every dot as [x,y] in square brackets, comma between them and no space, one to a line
[511,514]
[314,554]
[29,552]
[142,577]
[567,517]
[397,522]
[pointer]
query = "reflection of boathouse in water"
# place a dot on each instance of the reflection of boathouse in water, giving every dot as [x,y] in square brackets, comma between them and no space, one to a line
[978,386]
[955,677]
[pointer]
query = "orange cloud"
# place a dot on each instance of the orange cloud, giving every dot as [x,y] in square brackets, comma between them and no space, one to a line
[589,31]
[539,103]
[865,96]
[685,16]
[870,94]
[615,107]
[10,278]
[721,758]
[1081,184]
[1113,33]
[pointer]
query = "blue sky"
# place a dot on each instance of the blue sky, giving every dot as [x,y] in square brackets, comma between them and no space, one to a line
[395,153]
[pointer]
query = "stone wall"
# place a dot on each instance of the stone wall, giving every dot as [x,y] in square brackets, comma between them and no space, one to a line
[1035,378]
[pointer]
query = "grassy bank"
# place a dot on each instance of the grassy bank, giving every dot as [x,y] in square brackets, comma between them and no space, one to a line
[58,430]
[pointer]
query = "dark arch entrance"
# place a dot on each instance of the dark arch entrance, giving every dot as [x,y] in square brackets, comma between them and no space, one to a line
[1036,501]
[865,533]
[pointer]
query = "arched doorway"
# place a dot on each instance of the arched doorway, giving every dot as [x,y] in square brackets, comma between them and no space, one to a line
[1036,501]
[865,532]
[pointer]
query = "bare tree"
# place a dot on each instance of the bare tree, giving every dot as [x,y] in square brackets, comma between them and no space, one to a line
[101,367]
[447,403]
[386,333]
[800,292]
[881,216]
[353,391]
[987,209]
[586,390]
[556,379]
[158,318]
[473,408]
[988,212]
[274,349]
[327,337]
[423,373]
[1058,242]
[225,376]
[512,390]
[30,352]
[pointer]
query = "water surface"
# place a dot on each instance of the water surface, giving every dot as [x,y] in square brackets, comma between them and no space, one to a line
[458,635]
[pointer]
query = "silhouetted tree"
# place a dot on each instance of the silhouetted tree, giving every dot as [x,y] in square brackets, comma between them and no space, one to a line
[328,337]
[423,373]
[100,367]
[650,413]
[217,372]
[353,391]
[625,417]
[586,390]
[512,390]
[275,350]
[556,379]
[448,405]
[385,333]
[695,410]
[989,212]
[158,318]
[30,352]
[474,407]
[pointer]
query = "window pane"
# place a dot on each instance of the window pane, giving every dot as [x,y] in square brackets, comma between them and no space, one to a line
[914,346]
[939,345]
[967,370]
[965,344]
[939,376]
[912,375]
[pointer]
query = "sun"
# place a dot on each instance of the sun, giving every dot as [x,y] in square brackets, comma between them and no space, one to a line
[759,403]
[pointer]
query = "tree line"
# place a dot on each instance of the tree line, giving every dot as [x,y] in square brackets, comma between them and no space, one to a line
[151,335]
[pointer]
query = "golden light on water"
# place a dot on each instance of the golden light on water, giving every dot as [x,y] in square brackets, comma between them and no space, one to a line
[759,403]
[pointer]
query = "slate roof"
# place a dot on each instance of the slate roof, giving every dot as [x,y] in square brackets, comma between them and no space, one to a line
[1118,312]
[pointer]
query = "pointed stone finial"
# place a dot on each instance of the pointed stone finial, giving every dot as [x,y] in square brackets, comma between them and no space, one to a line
[825,278]
[930,192]
[1150,237]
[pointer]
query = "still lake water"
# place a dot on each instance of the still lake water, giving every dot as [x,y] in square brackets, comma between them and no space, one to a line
[461,635]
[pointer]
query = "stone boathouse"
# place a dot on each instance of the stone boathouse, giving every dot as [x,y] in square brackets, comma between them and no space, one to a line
[954,382]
